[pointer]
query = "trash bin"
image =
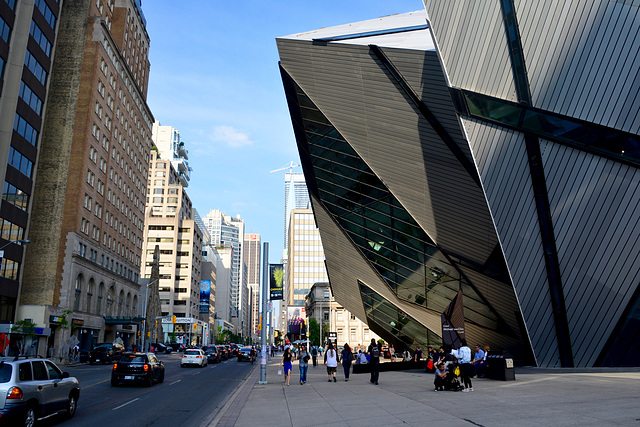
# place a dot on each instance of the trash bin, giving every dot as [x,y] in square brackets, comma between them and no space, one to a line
[500,366]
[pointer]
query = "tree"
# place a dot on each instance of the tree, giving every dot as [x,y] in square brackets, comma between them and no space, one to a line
[314,331]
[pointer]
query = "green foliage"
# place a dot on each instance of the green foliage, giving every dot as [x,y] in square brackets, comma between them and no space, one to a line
[64,321]
[381,341]
[314,331]
[24,327]
[172,338]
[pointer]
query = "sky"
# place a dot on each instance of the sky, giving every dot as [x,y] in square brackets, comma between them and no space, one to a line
[214,77]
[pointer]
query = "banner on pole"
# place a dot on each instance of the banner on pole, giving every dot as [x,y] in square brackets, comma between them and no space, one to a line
[453,322]
[205,295]
[276,279]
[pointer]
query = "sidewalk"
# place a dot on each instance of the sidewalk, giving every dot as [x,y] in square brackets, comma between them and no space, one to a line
[548,397]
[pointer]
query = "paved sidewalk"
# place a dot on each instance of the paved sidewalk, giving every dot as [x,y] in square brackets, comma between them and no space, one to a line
[547,397]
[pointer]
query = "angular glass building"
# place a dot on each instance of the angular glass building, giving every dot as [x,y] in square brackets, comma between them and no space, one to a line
[488,146]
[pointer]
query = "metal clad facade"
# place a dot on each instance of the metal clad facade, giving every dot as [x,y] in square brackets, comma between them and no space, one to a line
[470,38]
[595,211]
[502,162]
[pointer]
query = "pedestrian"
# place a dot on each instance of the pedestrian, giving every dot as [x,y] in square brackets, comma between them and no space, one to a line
[417,355]
[463,354]
[347,358]
[374,361]
[392,353]
[362,358]
[314,355]
[303,364]
[331,361]
[286,363]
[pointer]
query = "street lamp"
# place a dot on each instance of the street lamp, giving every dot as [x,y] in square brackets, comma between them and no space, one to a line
[18,242]
[144,325]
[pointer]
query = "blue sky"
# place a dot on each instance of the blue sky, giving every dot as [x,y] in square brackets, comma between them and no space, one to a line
[214,77]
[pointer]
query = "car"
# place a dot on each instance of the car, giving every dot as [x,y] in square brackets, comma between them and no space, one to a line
[162,348]
[143,368]
[244,354]
[33,388]
[234,349]
[213,354]
[224,351]
[106,353]
[193,356]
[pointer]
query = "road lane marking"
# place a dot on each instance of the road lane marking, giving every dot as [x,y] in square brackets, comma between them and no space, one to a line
[91,385]
[125,404]
[175,382]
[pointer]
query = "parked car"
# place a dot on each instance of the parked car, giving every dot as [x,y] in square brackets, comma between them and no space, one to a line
[245,354]
[144,368]
[213,355]
[193,356]
[35,388]
[106,353]
[162,348]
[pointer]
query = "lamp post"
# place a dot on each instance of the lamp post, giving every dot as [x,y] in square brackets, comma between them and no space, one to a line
[17,242]
[144,325]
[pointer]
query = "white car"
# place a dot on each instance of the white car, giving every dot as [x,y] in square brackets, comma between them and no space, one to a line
[193,356]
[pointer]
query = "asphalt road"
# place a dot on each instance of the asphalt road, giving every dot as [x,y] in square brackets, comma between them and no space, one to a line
[186,398]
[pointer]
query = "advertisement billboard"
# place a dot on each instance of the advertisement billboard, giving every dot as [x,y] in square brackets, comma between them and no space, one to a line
[205,295]
[276,281]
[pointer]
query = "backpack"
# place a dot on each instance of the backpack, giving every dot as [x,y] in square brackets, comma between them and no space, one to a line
[375,351]
[314,351]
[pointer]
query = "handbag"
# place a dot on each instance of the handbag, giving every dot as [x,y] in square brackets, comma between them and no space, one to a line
[430,364]
[306,358]
[457,371]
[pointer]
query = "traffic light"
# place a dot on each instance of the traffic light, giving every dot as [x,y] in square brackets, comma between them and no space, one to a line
[173,319]
[195,326]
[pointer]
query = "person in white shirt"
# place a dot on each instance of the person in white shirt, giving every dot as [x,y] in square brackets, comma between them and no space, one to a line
[331,361]
[463,354]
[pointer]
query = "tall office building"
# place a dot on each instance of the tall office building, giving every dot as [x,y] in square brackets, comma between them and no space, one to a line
[296,196]
[28,33]
[169,224]
[172,148]
[306,257]
[490,147]
[87,218]
[252,253]
[229,231]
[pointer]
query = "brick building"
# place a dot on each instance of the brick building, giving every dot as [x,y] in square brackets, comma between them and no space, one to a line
[88,205]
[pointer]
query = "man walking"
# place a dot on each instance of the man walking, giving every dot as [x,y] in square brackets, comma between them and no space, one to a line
[374,361]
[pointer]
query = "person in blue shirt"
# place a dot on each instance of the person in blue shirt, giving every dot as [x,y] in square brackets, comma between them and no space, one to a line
[478,362]
[463,354]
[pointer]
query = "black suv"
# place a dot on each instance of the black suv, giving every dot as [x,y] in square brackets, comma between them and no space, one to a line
[106,353]
[213,353]
[144,368]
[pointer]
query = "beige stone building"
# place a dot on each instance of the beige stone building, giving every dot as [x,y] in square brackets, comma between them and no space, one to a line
[86,227]
[170,224]
[252,251]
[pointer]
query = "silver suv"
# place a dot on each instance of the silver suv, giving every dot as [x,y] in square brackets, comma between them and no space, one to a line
[34,388]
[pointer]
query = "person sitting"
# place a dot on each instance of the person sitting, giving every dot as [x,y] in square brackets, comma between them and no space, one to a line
[406,356]
[441,380]
[478,362]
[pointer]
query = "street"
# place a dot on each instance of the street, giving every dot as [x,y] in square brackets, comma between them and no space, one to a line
[186,398]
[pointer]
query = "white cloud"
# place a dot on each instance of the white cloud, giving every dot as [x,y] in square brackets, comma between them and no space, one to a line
[230,136]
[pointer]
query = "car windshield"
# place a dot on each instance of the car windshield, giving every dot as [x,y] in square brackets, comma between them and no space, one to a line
[192,352]
[246,349]
[5,373]
[132,358]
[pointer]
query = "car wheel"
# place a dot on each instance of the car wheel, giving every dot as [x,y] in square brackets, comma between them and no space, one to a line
[30,416]
[149,382]
[72,406]
[161,380]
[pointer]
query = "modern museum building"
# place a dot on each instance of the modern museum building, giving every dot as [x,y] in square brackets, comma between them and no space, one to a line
[484,145]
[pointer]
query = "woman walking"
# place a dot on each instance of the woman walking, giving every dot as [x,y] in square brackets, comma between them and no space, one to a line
[331,361]
[286,363]
[303,356]
[347,358]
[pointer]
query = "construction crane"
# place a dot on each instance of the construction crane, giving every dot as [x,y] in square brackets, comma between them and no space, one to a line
[290,167]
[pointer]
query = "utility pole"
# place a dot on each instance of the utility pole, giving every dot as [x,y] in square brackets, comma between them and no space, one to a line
[263,330]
